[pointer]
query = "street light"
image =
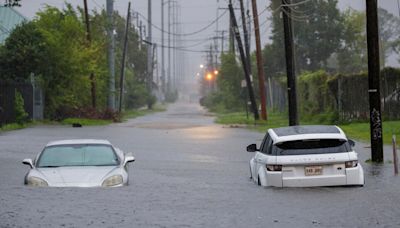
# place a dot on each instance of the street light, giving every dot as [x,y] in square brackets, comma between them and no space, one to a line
[201,66]
[209,76]
[216,72]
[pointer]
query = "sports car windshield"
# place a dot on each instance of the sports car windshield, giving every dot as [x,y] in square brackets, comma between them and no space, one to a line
[314,146]
[77,155]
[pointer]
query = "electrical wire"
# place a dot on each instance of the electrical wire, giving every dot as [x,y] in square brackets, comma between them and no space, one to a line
[295,4]
[97,4]
[293,17]
[209,37]
[185,34]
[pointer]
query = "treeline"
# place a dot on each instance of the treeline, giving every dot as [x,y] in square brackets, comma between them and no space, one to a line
[53,49]
[331,64]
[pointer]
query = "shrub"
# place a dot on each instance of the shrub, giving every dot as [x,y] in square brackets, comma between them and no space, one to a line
[20,115]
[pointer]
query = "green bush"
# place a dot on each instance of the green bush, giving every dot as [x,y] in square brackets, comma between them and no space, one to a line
[20,115]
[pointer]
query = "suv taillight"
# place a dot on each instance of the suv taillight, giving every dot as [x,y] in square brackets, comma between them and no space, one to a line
[274,167]
[351,164]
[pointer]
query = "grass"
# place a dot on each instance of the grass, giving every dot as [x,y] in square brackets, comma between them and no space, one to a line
[86,122]
[130,114]
[240,118]
[358,131]
[361,131]
[12,126]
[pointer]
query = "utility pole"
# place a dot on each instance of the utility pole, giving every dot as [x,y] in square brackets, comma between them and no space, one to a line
[290,67]
[140,34]
[89,40]
[260,68]
[231,33]
[121,81]
[235,29]
[169,46]
[222,41]
[174,21]
[245,37]
[249,27]
[149,54]
[111,54]
[374,81]
[162,49]
[154,62]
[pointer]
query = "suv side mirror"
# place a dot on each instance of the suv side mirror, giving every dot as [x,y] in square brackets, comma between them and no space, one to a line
[351,142]
[252,148]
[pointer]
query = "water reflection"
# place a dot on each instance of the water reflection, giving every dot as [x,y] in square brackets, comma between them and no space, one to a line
[374,169]
[204,133]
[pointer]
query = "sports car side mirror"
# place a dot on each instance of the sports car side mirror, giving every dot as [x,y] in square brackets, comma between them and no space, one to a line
[129,158]
[252,148]
[28,161]
[352,143]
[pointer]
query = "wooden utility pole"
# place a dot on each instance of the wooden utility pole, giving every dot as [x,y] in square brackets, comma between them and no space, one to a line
[374,81]
[111,54]
[290,67]
[121,81]
[260,68]
[245,37]
[162,50]
[89,40]
[235,30]
[149,53]
[231,34]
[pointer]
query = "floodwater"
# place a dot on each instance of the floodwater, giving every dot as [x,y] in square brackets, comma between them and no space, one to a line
[189,172]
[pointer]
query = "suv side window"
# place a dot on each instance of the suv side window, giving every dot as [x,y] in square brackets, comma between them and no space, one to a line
[263,143]
[267,146]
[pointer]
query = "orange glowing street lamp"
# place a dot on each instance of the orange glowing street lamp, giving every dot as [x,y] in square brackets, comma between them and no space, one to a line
[209,76]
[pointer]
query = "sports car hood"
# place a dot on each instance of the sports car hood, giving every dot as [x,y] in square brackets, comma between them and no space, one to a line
[76,176]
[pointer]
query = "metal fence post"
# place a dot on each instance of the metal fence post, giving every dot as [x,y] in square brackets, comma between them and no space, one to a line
[395,159]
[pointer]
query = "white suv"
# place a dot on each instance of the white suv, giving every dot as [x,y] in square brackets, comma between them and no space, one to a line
[305,156]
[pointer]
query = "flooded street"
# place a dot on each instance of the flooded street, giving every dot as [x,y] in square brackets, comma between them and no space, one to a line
[189,172]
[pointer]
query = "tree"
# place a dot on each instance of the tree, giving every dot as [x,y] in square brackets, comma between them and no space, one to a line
[318,35]
[389,31]
[136,60]
[317,27]
[352,55]
[24,52]
[274,53]
[54,47]
[229,81]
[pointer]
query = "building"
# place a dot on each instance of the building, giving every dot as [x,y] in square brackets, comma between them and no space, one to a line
[9,19]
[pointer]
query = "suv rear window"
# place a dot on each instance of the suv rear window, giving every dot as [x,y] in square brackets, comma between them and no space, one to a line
[313,146]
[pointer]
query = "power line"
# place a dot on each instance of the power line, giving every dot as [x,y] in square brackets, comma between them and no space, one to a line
[97,4]
[296,4]
[210,37]
[186,34]
[293,17]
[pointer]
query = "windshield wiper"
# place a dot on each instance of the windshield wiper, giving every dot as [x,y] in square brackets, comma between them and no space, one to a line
[49,166]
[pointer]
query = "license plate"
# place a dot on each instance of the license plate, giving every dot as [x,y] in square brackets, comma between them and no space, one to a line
[313,170]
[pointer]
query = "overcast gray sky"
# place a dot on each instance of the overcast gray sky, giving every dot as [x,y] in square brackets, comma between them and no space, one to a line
[195,14]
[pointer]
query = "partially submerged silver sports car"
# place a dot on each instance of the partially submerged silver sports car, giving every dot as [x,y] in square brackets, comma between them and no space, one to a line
[79,163]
